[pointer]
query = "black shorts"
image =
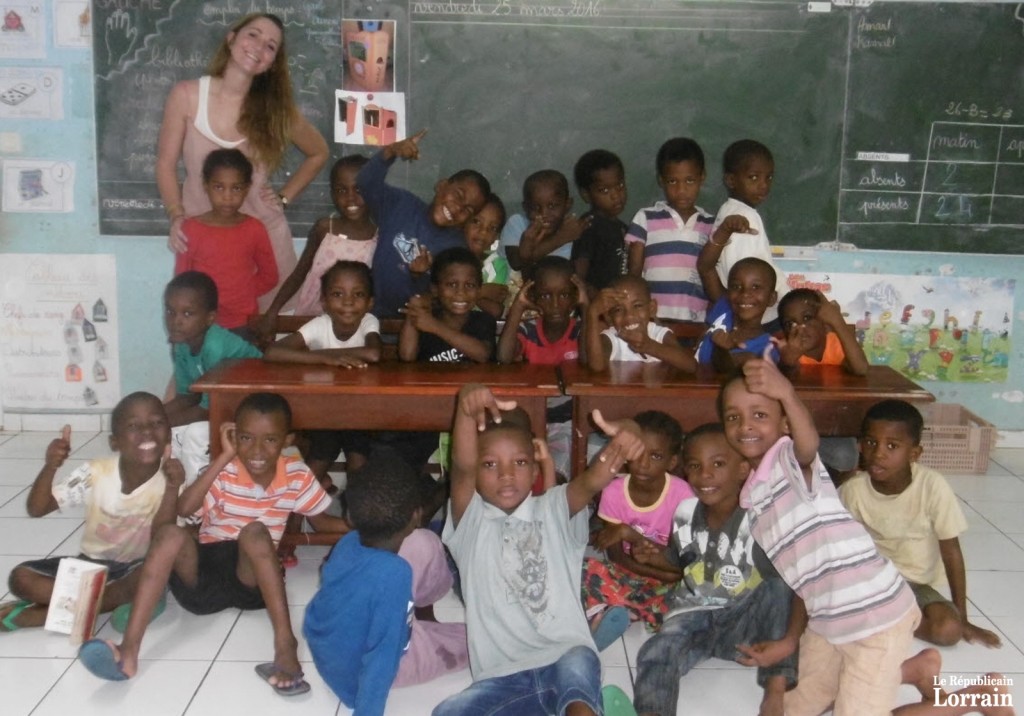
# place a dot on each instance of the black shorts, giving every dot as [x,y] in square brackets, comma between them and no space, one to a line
[47,566]
[217,585]
[326,444]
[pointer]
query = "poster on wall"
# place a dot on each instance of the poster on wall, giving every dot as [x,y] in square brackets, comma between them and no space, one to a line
[58,333]
[939,328]
[38,185]
[371,118]
[22,30]
[31,93]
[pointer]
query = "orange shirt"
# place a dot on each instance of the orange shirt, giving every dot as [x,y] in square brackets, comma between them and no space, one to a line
[833,355]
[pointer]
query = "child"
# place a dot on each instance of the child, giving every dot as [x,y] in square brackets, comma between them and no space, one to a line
[550,339]
[519,556]
[915,519]
[453,332]
[599,254]
[345,335]
[748,169]
[665,239]
[726,590]
[360,625]
[638,507]
[411,230]
[545,226]
[229,246]
[244,498]
[853,615]
[481,233]
[735,322]
[348,236]
[817,334]
[197,345]
[126,497]
[627,309]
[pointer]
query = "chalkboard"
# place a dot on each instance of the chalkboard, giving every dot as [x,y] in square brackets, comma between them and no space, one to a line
[893,125]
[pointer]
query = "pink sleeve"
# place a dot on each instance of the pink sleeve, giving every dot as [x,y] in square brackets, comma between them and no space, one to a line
[263,254]
[613,503]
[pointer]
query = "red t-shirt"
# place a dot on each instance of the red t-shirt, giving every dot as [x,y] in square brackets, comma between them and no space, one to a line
[537,349]
[239,259]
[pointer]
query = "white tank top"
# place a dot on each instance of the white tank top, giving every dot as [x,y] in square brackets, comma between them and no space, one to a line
[202,122]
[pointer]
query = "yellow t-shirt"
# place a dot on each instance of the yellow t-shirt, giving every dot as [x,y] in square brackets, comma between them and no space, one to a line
[907,527]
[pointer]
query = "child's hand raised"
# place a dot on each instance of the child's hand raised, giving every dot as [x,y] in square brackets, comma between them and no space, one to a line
[174,471]
[582,297]
[732,224]
[421,264]
[829,312]
[227,439]
[408,148]
[522,301]
[726,340]
[763,376]
[572,228]
[418,311]
[626,443]
[59,449]
[535,232]
[477,402]
[606,300]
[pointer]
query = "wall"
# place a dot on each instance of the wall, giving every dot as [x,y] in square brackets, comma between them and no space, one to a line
[144,264]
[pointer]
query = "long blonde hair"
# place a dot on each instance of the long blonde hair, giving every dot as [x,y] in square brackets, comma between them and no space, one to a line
[268,108]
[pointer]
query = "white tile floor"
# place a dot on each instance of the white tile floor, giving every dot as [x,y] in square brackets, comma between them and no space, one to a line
[203,666]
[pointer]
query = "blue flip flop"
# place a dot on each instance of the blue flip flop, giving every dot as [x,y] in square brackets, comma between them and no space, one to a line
[614,623]
[97,656]
[616,703]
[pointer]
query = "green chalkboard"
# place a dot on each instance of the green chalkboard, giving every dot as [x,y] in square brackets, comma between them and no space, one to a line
[883,119]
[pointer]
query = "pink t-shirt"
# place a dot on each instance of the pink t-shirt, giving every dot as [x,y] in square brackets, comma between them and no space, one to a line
[653,522]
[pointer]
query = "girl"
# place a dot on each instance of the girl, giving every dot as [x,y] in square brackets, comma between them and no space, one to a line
[227,245]
[638,507]
[345,335]
[244,102]
[481,232]
[348,236]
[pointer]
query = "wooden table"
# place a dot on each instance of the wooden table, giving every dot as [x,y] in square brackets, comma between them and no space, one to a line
[836,399]
[387,396]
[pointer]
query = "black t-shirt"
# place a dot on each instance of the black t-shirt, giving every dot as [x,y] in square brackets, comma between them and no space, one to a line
[603,243]
[433,349]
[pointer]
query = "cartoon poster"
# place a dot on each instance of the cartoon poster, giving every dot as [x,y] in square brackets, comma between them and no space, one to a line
[22,30]
[38,185]
[59,332]
[939,328]
[370,118]
[368,48]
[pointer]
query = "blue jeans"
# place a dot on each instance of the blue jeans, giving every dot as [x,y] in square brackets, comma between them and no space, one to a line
[547,690]
[687,639]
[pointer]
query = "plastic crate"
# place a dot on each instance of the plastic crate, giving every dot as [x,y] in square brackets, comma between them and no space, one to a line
[955,440]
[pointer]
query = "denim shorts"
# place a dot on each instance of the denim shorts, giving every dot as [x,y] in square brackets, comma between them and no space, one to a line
[576,676]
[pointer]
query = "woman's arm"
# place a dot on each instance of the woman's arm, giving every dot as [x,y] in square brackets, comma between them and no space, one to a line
[310,142]
[168,151]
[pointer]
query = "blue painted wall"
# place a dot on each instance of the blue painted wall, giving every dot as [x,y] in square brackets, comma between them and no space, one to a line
[144,263]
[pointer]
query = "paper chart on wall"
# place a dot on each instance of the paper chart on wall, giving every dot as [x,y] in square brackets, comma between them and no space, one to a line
[38,185]
[23,30]
[31,93]
[59,333]
[72,24]
[375,119]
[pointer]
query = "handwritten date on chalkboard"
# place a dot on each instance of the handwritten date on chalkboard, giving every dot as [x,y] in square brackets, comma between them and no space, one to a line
[973,111]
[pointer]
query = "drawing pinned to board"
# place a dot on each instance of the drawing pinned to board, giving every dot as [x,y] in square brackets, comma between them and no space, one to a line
[940,328]
[367,49]
[23,30]
[72,24]
[372,118]
[33,185]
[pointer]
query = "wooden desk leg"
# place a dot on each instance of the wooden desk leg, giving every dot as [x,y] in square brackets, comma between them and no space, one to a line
[580,435]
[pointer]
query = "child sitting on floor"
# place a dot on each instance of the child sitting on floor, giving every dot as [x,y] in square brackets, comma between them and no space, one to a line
[636,508]
[726,590]
[410,229]
[915,519]
[244,498]
[735,320]
[361,626]
[127,496]
[519,556]
[620,327]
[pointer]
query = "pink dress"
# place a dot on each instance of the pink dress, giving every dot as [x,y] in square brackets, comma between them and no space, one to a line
[200,141]
[333,248]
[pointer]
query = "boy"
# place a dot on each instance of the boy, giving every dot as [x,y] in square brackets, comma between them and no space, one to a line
[748,170]
[627,309]
[727,593]
[599,254]
[853,615]
[409,229]
[736,330]
[915,519]
[197,345]
[126,497]
[360,625]
[817,334]
[520,556]
[244,498]
[545,226]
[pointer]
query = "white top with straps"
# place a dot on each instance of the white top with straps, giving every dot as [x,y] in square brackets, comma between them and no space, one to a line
[202,121]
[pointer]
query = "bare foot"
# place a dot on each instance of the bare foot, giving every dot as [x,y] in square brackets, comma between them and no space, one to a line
[921,670]
[31,615]
[289,670]
[128,658]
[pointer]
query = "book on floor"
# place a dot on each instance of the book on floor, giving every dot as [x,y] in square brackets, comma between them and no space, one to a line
[77,594]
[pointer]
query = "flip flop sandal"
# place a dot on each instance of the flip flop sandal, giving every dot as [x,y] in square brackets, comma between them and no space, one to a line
[269,669]
[119,617]
[616,703]
[97,656]
[8,621]
[614,623]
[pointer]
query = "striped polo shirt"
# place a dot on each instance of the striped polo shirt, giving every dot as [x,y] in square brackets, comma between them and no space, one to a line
[234,500]
[671,247]
[826,556]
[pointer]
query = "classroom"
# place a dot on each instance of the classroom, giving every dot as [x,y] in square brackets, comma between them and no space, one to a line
[897,130]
